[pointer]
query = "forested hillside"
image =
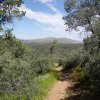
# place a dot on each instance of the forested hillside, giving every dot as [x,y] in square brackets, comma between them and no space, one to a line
[48,40]
[22,65]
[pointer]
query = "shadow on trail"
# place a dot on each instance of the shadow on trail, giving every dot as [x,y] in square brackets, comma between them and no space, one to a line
[77,90]
[64,75]
[80,93]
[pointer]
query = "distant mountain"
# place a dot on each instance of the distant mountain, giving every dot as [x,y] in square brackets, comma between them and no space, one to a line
[48,40]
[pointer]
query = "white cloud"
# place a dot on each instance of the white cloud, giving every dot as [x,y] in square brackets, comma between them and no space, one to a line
[60,32]
[49,3]
[46,1]
[53,8]
[54,21]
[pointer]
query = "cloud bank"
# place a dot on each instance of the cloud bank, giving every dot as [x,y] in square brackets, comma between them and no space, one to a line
[54,21]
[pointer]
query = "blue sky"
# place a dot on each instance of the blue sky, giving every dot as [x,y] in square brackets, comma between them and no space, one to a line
[43,19]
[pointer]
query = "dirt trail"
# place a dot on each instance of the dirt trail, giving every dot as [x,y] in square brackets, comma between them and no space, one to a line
[58,91]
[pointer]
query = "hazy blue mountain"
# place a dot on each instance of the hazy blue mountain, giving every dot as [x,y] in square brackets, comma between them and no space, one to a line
[48,40]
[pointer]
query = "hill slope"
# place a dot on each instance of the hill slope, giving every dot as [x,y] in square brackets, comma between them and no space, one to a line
[48,40]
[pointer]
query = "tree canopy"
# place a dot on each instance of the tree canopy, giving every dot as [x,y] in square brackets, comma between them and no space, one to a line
[84,13]
[9,9]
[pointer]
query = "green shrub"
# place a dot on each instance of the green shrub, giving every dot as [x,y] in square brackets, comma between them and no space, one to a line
[41,66]
[60,62]
[78,73]
[45,83]
[17,76]
[73,59]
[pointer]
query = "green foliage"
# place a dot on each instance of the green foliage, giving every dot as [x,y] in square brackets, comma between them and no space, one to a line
[20,67]
[73,59]
[10,10]
[45,83]
[60,54]
[17,76]
[86,13]
[82,13]
[93,67]
[41,66]
[93,63]
[78,73]
[52,46]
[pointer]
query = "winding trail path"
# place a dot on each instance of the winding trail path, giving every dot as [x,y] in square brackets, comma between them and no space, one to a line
[58,91]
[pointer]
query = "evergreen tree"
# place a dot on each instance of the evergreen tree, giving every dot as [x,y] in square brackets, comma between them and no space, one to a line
[9,9]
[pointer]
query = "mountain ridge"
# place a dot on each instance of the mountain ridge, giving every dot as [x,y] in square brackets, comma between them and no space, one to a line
[51,39]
